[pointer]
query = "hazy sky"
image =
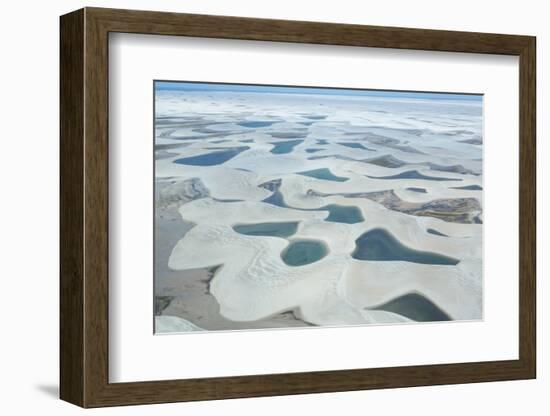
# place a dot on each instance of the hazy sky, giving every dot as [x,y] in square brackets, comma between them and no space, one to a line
[213,87]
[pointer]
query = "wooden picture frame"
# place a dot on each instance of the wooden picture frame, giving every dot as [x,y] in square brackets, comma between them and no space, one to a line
[84,207]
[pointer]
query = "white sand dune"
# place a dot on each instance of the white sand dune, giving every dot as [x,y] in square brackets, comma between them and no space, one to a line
[253,281]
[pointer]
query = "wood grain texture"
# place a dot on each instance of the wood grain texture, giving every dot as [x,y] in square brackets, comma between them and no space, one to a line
[96,208]
[162,23]
[71,251]
[84,207]
[528,208]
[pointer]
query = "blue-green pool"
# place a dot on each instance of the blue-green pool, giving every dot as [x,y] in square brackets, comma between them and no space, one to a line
[268,229]
[416,307]
[354,145]
[414,174]
[469,188]
[379,245]
[342,213]
[284,147]
[337,213]
[256,124]
[213,158]
[302,252]
[324,174]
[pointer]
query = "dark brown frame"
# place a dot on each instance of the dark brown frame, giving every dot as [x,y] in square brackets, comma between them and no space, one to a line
[84,207]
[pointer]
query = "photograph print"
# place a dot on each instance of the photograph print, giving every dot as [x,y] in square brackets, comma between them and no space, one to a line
[293,207]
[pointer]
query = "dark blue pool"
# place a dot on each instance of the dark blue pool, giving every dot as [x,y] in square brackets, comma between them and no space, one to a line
[379,245]
[213,158]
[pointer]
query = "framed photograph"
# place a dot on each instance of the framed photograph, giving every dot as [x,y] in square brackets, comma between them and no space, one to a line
[257,207]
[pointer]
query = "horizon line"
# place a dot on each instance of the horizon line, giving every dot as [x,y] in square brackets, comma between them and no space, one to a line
[197,86]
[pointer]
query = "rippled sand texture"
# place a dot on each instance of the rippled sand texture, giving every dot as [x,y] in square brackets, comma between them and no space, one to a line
[290,210]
